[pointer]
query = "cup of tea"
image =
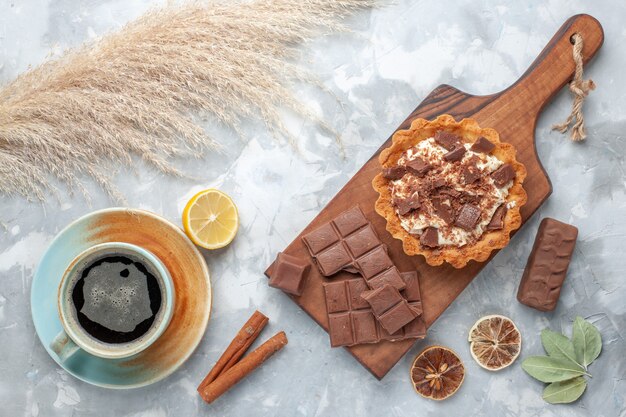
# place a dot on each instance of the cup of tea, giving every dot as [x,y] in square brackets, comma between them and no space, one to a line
[115,299]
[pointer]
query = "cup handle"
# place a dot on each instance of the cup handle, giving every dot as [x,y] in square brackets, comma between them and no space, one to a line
[63,346]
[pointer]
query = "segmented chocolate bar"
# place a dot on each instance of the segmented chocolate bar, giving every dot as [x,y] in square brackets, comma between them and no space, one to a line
[349,242]
[351,320]
[389,307]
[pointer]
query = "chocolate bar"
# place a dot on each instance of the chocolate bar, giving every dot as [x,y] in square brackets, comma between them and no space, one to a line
[351,320]
[349,242]
[389,307]
[289,273]
[547,265]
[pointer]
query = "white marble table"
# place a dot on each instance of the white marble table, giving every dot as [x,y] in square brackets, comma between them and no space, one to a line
[381,72]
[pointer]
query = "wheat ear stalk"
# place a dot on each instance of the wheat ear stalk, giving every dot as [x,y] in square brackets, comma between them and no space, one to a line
[134,91]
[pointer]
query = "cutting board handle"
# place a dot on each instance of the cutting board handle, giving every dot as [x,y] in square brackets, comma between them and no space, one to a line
[554,67]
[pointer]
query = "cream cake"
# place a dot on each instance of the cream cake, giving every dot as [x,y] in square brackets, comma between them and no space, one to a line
[450,191]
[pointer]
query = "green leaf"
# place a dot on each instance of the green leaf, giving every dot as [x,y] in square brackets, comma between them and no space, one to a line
[547,369]
[565,391]
[558,346]
[587,341]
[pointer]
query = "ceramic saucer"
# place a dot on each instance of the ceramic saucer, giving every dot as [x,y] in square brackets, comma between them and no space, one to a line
[190,276]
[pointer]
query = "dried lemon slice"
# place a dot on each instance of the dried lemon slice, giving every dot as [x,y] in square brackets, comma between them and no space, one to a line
[210,219]
[437,373]
[495,342]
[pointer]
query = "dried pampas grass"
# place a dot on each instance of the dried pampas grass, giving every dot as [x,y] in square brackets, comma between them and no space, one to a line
[131,93]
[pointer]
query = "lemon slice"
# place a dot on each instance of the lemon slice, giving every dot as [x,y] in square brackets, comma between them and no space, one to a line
[210,219]
[495,342]
[437,373]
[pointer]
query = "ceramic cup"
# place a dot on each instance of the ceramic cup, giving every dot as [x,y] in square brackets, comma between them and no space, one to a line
[74,337]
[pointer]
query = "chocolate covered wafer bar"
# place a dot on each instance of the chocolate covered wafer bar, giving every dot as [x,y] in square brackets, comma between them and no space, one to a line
[349,242]
[547,265]
[351,320]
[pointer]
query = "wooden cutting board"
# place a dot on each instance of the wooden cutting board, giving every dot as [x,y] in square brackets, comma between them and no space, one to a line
[513,113]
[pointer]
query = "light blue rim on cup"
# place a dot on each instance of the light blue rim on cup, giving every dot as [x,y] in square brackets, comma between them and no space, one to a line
[73,338]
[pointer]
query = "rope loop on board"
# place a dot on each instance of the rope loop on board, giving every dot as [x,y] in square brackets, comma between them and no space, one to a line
[580,88]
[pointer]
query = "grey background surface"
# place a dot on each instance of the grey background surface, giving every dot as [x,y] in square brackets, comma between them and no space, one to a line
[395,56]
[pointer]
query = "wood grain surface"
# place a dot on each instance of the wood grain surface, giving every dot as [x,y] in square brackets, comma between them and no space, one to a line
[513,113]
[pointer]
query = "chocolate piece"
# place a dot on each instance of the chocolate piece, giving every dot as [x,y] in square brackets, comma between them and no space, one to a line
[382,299]
[390,276]
[350,243]
[338,297]
[348,324]
[355,288]
[397,316]
[351,320]
[362,241]
[325,244]
[438,183]
[455,154]
[416,328]
[394,173]
[447,140]
[390,309]
[497,220]
[503,175]
[547,265]
[450,192]
[350,220]
[468,217]
[340,330]
[469,174]
[469,198]
[430,237]
[365,327]
[376,268]
[412,291]
[289,274]
[374,262]
[482,145]
[333,259]
[443,209]
[320,238]
[407,205]
[418,166]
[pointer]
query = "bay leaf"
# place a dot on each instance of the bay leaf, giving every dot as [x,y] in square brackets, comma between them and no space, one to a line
[565,391]
[587,341]
[558,346]
[547,369]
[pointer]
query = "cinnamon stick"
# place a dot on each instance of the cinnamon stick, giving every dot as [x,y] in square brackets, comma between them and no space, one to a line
[243,368]
[240,344]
